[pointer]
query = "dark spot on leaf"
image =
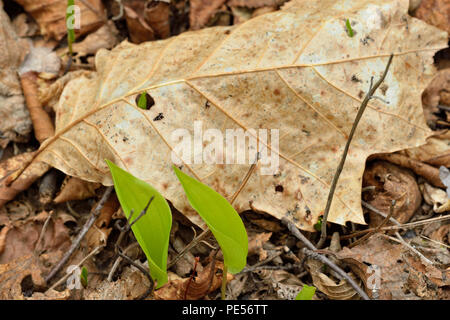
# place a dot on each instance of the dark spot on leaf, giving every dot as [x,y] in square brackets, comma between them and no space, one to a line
[279,188]
[355,79]
[276,92]
[361,94]
[160,116]
[207,105]
[227,32]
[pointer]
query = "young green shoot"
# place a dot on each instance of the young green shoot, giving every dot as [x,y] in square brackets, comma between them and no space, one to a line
[142,102]
[223,221]
[84,277]
[70,16]
[349,28]
[152,229]
[306,293]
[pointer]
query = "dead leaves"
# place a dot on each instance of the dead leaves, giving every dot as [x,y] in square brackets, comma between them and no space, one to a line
[402,275]
[391,182]
[16,123]
[297,82]
[435,12]
[51,16]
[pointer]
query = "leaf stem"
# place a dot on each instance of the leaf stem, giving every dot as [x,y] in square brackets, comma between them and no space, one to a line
[363,106]
[223,290]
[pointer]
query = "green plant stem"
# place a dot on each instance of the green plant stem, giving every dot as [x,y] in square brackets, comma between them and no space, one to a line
[369,95]
[223,290]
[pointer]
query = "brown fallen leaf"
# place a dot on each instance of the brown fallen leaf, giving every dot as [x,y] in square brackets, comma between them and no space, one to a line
[201,11]
[106,37]
[25,26]
[335,290]
[250,76]
[13,276]
[157,13]
[435,12]
[391,183]
[435,152]
[51,16]
[9,167]
[76,189]
[22,238]
[16,122]
[434,196]
[256,242]
[436,93]
[395,265]
[285,284]
[431,174]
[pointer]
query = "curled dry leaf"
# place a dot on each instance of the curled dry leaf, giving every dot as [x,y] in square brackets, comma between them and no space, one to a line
[437,92]
[76,189]
[106,37]
[147,21]
[434,196]
[395,265]
[11,166]
[335,290]
[16,122]
[431,174]
[391,183]
[273,72]
[207,281]
[201,11]
[51,16]
[435,152]
[435,12]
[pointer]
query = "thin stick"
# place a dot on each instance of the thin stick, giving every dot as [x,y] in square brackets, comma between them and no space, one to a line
[119,260]
[44,228]
[399,237]
[369,95]
[377,229]
[81,235]
[396,227]
[343,274]
[60,281]
[311,252]
[145,272]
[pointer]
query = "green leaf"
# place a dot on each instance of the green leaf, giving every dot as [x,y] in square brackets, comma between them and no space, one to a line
[349,28]
[221,218]
[306,293]
[142,102]
[84,277]
[318,224]
[152,230]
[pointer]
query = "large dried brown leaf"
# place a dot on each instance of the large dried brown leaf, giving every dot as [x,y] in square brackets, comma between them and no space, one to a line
[295,70]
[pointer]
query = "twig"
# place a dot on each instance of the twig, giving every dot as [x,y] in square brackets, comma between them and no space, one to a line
[396,227]
[310,251]
[44,228]
[377,229]
[60,281]
[369,95]
[81,235]
[399,237]
[145,272]
[119,260]
[343,274]
[123,231]
[223,289]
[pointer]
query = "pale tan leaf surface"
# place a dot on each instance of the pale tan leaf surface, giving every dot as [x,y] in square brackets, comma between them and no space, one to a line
[295,70]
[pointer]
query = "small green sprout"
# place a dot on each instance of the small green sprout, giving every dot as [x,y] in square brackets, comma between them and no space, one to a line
[349,29]
[84,277]
[142,102]
[318,224]
[70,16]
[306,293]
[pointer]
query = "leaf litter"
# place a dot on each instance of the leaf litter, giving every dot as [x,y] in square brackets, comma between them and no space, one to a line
[338,73]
